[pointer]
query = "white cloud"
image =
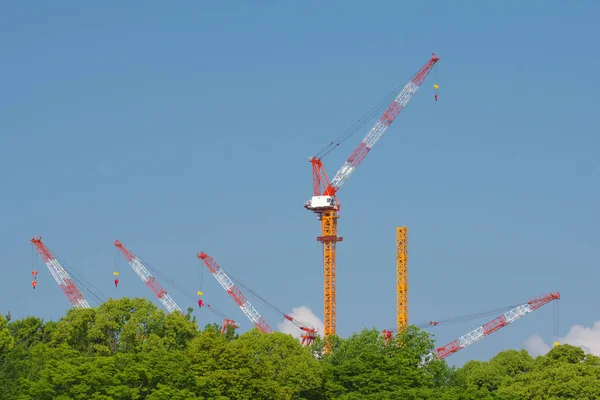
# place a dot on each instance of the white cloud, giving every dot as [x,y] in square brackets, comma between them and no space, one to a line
[586,338]
[303,315]
[535,346]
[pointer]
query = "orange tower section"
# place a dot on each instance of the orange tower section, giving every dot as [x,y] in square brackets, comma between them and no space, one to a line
[402,277]
[329,239]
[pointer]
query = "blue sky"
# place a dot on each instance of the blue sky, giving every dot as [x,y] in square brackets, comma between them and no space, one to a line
[185,129]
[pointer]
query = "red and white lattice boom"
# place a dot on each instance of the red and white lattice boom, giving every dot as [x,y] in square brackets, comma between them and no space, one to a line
[491,327]
[60,275]
[235,293]
[148,279]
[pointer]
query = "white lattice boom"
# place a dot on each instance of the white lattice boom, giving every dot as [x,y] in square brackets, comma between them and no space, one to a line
[148,279]
[60,275]
[235,293]
[382,124]
[491,327]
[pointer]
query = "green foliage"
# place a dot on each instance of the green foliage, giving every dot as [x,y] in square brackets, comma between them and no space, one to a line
[129,349]
[6,340]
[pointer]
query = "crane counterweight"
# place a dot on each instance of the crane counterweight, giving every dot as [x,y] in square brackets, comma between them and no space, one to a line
[320,203]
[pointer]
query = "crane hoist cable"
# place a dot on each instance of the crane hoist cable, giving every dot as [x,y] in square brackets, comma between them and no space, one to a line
[324,201]
[34,270]
[117,270]
[60,275]
[85,285]
[184,291]
[555,330]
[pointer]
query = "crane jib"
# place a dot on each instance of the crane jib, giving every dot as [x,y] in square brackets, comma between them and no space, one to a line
[326,199]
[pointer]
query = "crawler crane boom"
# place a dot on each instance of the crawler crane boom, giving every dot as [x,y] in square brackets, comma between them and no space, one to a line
[491,327]
[228,283]
[60,275]
[148,279]
[235,293]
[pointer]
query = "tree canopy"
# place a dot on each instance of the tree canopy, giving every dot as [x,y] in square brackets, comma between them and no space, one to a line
[130,349]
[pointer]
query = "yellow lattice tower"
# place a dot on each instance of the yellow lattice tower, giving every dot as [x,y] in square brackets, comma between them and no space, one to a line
[329,239]
[402,277]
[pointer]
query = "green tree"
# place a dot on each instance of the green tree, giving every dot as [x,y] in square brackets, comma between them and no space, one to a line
[128,349]
[365,364]
[566,372]
[6,340]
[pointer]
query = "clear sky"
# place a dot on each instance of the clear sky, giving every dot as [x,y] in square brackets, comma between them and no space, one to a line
[188,128]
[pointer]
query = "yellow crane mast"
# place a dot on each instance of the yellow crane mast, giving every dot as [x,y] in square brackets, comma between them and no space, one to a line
[329,239]
[402,277]
[324,201]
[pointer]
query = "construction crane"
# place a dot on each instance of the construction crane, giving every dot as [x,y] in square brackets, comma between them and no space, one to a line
[308,334]
[324,201]
[487,329]
[228,323]
[401,277]
[60,275]
[235,293]
[148,279]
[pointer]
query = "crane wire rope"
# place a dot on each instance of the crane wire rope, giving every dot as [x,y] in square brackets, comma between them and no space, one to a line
[87,286]
[181,288]
[556,322]
[465,318]
[369,116]
[268,304]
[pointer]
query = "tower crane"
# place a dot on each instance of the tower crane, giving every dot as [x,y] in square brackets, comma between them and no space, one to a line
[148,279]
[491,327]
[308,334]
[324,201]
[60,275]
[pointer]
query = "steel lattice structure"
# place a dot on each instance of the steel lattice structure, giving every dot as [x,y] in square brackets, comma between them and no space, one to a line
[491,327]
[324,201]
[60,275]
[235,293]
[148,279]
[401,277]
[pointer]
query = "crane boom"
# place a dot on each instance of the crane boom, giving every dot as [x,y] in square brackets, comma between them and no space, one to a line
[491,327]
[377,131]
[60,275]
[324,201]
[235,293]
[148,279]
